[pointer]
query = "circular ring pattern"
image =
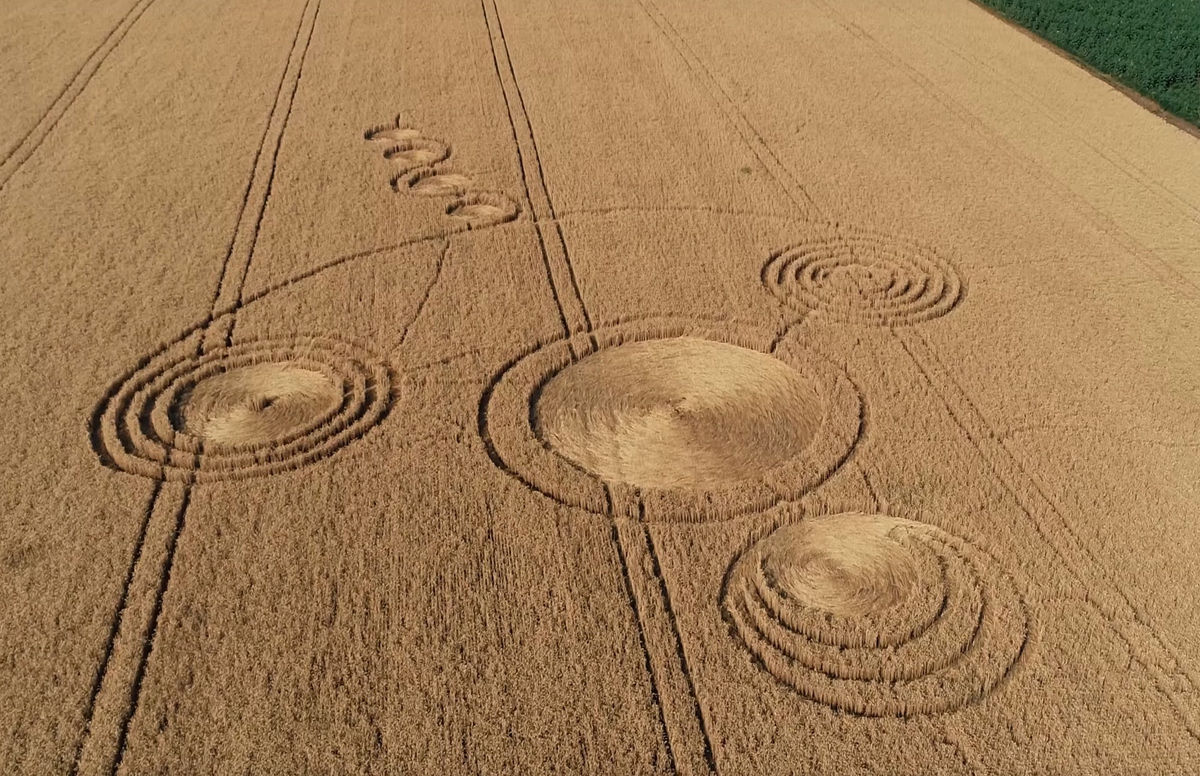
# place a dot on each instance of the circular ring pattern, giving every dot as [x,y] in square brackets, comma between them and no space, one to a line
[483,209]
[392,135]
[248,410]
[431,182]
[860,277]
[414,153]
[670,420]
[876,615]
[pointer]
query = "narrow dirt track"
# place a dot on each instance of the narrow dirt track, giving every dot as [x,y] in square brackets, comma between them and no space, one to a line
[636,387]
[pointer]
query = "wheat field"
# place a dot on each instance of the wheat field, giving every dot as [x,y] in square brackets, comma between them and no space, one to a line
[628,387]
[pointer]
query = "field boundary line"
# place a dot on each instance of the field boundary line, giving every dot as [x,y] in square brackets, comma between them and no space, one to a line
[107,755]
[695,210]
[1123,165]
[683,727]
[116,627]
[16,157]
[1111,600]
[1146,103]
[1049,182]
[560,274]
[749,134]
[240,253]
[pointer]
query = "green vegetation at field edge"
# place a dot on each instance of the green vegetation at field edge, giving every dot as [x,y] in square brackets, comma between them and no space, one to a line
[1151,46]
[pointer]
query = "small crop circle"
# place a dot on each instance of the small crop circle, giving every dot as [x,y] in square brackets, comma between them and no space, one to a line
[414,153]
[860,277]
[483,209]
[430,182]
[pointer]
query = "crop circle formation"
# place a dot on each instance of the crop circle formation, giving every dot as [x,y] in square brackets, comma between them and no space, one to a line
[695,422]
[251,409]
[876,615]
[865,278]
[483,209]
[418,167]
[682,412]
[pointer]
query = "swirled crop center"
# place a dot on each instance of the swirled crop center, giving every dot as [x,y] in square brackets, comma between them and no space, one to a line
[251,409]
[846,573]
[682,412]
[258,404]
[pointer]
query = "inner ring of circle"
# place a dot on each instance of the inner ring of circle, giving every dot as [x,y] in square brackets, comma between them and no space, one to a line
[179,391]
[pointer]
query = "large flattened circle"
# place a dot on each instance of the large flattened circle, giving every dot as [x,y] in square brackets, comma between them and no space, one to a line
[670,420]
[247,410]
[678,413]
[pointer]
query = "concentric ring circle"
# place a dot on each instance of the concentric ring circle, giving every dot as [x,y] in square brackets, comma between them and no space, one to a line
[854,276]
[670,419]
[876,615]
[248,410]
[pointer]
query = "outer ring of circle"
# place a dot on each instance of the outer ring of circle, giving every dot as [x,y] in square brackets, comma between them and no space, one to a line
[791,292]
[167,461]
[983,565]
[506,428]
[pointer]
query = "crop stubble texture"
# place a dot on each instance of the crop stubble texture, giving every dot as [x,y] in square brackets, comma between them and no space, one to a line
[686,398]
